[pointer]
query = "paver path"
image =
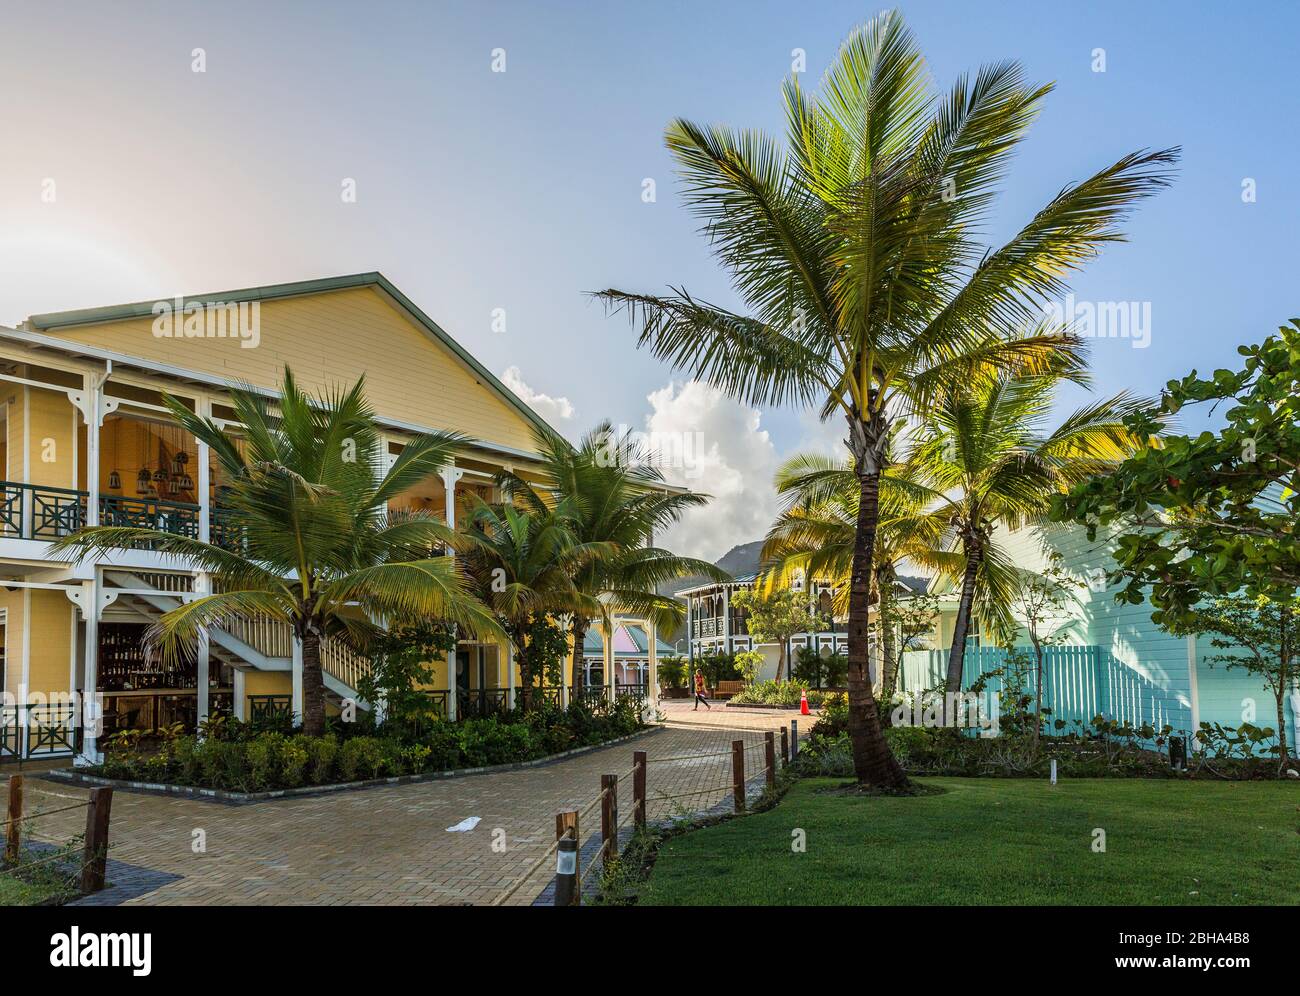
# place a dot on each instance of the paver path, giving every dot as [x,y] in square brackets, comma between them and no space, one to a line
[390,845]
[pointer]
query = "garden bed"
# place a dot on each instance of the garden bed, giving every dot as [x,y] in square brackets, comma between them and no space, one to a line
[74,776]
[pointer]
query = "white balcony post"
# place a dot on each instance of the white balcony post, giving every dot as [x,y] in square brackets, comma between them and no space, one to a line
[91,713]
[726,619]
[202,585]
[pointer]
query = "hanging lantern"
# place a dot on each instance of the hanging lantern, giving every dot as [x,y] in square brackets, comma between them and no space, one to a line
[142,481]
[159,476]
[177,467]
[182,458]
[114,481]
[187,482]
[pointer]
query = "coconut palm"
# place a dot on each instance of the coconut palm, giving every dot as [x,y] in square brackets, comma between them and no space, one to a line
[990,454]
[612,491]
[815,532]
[866,289]
[317,548]
[522,564]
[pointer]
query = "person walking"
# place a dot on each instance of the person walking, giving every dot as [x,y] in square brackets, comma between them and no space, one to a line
[699,692]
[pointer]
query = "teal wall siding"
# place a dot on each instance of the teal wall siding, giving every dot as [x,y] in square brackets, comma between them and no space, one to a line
[1115,657]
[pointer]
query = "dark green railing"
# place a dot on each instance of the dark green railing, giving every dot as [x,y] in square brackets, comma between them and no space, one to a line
[263,708]
[41,512]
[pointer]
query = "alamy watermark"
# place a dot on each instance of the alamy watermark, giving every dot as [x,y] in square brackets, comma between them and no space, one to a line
[1129,320]
[181,319]
[681,451]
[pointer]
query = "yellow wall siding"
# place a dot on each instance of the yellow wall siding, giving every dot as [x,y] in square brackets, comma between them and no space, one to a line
[268,683]
[51,439]
[14,603]
[50,657]
[331,338]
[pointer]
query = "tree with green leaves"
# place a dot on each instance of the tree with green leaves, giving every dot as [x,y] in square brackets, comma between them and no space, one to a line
[1261,636]
[318,547]
[611,491]
[1040,602]
[1211,514]
[815,536]
[989,453]
[522,563]
[914,616]
[866,289]
[773,616]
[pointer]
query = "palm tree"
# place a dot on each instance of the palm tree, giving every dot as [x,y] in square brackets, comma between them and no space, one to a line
[522,564]
[988,452]
[317,548]
[865,286]
[612,492]
[815,535]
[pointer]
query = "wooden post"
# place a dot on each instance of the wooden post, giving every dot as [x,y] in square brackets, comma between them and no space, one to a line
[567,877]
[785,746]
[13,828]
[609,816]
[738,774]
[96,853]
[769,753]
[638,787]
[794,739]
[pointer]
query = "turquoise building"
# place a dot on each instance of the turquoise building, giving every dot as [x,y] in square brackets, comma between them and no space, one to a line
[1113,661]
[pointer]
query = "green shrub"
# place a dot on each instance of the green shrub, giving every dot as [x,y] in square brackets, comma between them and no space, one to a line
[360,758]
[321,754]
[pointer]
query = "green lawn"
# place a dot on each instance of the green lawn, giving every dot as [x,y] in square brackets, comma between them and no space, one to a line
[996,842]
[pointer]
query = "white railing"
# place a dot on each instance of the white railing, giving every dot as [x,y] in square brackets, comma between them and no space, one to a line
[270,637]
[274,638]
[341,661]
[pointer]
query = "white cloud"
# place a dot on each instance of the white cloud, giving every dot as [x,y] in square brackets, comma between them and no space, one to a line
[556,411]
[717,446]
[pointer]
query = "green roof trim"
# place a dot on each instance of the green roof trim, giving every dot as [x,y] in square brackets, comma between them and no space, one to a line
[271,292]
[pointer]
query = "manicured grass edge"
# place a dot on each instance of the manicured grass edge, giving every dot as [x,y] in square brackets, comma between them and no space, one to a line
[70,776]
[628,880]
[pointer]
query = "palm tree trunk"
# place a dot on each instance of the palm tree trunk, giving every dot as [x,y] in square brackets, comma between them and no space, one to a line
[579,630]
[873,763]
[961,626]
[313,686]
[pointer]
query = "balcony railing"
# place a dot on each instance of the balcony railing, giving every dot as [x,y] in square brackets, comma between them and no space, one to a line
[41,512]
[36,730]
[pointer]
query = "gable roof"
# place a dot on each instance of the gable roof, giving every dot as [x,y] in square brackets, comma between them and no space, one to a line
[144,309]
[629,641]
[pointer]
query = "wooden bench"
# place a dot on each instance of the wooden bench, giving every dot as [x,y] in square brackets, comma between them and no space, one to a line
[726,689]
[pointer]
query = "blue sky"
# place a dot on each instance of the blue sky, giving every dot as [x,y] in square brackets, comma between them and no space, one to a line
[522,190]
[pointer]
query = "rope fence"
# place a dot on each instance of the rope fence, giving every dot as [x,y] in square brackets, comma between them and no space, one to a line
[94,851]
[572,872]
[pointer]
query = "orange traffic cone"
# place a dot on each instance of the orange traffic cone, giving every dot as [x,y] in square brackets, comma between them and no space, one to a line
[803,704]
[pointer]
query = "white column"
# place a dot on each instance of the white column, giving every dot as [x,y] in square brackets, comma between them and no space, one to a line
[92,448]
[296,706]
[91,712]
[241,699]
[203,407]
[652,671]
[202,585]
[726,620]
[450,475]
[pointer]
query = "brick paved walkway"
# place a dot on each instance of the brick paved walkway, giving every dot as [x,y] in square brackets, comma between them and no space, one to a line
[390,845]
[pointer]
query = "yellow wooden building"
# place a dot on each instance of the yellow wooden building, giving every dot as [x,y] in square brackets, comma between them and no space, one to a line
[86,441]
